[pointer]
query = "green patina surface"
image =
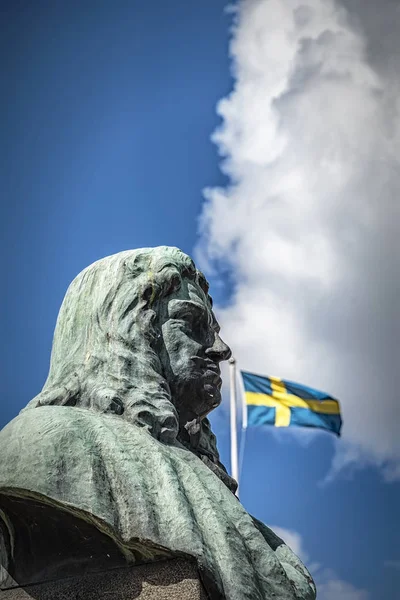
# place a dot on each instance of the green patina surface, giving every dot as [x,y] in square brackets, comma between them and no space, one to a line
[119,435]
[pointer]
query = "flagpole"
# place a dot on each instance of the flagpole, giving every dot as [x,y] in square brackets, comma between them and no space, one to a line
[233,415]
[244,422]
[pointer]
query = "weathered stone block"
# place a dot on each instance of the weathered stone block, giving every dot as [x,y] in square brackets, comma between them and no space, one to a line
[175,579]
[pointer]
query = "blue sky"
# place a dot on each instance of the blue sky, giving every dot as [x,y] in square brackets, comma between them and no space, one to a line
[107,114]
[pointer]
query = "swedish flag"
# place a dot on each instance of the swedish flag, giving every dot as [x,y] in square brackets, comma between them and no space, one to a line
[274,401]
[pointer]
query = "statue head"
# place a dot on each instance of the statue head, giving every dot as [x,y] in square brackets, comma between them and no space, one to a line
[136,336]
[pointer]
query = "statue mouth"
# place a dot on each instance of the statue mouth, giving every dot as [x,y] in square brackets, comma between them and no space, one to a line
[211,376]
[208,369]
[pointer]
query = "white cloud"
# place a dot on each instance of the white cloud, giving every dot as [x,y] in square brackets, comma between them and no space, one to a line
[331,588]
[329,585]
[310,139]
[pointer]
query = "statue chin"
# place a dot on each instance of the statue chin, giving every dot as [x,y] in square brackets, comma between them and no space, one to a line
[200,405]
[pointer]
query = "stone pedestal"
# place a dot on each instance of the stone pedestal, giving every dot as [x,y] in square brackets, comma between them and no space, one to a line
[175,579]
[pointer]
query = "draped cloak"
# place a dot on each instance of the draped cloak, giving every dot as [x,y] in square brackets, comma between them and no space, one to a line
[137,490]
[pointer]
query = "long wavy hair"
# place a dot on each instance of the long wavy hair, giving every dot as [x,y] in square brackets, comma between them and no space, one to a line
[104,355]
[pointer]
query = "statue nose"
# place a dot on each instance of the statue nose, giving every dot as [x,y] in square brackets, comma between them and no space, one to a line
[219,350]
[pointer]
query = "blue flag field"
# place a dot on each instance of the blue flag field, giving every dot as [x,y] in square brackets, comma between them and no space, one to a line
[282,403]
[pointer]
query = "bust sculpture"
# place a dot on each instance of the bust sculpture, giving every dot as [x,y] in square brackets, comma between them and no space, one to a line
[115,458]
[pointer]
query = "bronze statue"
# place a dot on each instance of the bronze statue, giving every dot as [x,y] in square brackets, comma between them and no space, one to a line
[116,454]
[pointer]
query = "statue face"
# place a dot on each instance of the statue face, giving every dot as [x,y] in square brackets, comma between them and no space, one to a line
[192,351]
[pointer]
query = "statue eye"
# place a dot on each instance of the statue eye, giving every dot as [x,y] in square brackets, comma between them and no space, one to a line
[193,322]
[194,317]
[196,321]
